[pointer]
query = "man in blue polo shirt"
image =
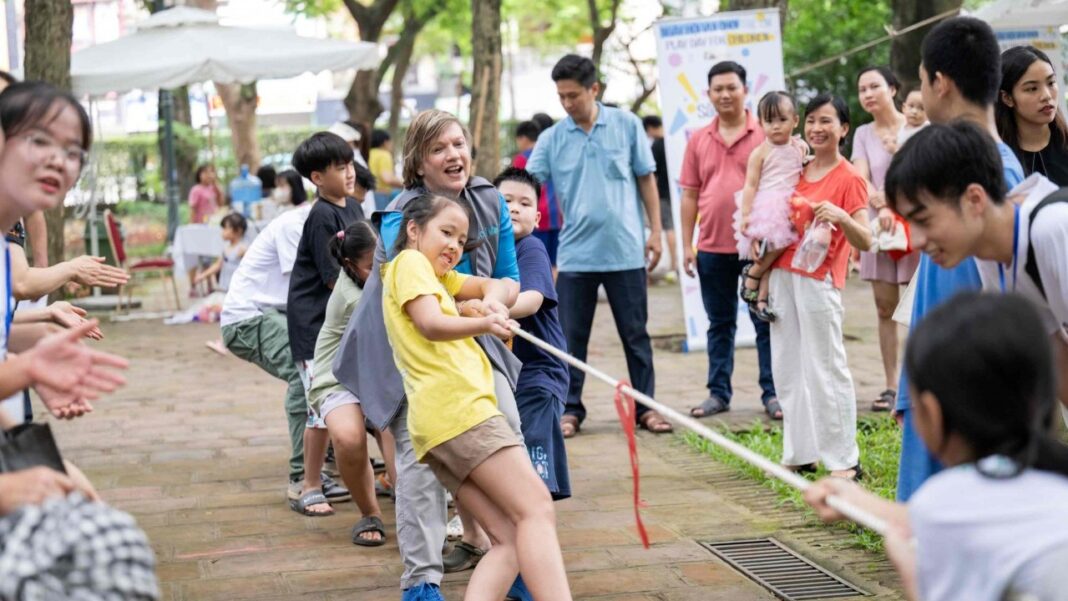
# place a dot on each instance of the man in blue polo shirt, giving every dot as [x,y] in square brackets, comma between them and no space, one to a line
[603,169]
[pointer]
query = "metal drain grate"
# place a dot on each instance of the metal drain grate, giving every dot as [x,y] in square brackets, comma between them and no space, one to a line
[781,570]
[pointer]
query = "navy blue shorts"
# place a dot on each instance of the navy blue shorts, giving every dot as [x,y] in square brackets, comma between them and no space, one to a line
[551,240]
[539,413]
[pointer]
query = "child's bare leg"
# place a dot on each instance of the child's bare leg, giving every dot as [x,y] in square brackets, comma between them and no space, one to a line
[386,443]
[496,571]
[508,479]
[345,425]
[474,535]
[315,441]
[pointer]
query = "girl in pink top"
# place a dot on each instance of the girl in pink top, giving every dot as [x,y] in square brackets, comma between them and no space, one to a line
[204,197]
[762,223]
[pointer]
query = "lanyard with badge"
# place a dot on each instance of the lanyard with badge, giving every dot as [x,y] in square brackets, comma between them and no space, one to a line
[1015,242]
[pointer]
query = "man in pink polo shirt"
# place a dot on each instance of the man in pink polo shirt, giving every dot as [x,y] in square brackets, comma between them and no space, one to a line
[713,169]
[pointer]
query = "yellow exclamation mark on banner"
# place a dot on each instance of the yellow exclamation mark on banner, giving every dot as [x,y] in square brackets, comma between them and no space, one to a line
[689,89]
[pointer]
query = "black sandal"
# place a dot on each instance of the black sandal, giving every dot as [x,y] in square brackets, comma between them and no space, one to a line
[762,311]
[747,294]
[371,523]
[885,402]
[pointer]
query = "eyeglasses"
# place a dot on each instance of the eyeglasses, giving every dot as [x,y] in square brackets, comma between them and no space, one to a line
[43,147]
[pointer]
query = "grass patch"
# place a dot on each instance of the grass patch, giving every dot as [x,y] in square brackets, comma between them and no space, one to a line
[155,249]
[880,447]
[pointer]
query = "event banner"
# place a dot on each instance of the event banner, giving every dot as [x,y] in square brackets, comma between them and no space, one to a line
[1046,38]
[686,50]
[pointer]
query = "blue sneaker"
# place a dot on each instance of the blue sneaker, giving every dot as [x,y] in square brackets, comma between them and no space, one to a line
[423,591]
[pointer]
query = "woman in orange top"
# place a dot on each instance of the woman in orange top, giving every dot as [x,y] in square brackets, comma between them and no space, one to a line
[808,357]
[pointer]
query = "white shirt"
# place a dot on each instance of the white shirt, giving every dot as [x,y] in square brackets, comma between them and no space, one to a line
[978,537]
[1050,243]
[262,278]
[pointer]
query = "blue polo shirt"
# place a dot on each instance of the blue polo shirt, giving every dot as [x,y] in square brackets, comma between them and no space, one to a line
[594,176]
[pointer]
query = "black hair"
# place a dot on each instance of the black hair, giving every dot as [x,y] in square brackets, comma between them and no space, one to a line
[840,107]
[266,175]
[297,193]
[364,178]
[943,160]
[528,130]
[352,243]
[200,170]
[724,67]
[987,360]
[515,174]
[576,68]
[1014,64]
[424,208]
[319,152]
[7,77]
[26,104]
[235,221]
[543,120]
[770,105]
[965,50]
[652,121]
[887,75]
[379,137]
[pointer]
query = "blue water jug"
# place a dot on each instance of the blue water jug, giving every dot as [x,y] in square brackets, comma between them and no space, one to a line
[245,190]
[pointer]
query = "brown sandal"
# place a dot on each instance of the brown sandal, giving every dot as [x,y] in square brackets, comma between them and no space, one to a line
[655,423]
[569,425]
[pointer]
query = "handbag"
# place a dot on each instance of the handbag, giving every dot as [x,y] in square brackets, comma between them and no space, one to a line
[29,445]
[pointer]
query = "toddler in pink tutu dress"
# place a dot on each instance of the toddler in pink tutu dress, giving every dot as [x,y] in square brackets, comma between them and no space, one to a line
[762,223]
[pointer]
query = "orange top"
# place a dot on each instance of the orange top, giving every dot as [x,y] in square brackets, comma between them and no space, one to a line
[842,186]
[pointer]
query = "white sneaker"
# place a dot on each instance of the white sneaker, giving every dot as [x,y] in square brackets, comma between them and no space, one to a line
[455,529]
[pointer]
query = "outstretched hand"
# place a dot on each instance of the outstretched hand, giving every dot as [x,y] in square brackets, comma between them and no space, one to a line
[69,316]
[92,271]
[68,374]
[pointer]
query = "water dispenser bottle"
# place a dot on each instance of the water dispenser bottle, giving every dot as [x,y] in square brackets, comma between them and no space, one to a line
[245,190]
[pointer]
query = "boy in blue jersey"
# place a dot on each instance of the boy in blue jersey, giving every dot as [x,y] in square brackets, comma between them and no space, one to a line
[960,72]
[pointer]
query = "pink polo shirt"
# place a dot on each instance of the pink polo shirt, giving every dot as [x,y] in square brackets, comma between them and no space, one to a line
[717,171]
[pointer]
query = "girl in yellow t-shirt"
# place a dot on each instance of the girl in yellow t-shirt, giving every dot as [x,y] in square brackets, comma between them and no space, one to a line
[453,419]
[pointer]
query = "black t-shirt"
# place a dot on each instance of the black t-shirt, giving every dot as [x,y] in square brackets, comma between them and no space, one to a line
[663,183]
[314,271]
[1051,161]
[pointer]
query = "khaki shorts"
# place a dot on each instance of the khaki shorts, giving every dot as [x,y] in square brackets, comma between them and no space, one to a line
[453,460]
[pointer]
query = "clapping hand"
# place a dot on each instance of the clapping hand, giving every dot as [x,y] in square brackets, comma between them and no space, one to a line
[69,316]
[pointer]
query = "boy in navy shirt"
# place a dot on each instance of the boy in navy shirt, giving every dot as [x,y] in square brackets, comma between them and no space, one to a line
[326,160]
[543,381]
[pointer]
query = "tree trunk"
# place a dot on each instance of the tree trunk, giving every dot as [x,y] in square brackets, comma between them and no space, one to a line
[49,28]
[239,100]
[601,33]
[905,50]
[185,153]
[396,93]
[362,99]
[486,85]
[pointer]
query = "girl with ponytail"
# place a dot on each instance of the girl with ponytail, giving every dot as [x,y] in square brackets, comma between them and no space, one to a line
[994,524]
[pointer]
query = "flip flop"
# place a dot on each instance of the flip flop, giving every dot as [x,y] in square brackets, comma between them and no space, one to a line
[463,557]
[312,497]
[655,423]
[711,406]
[371,523]
[569,425]
[773,409]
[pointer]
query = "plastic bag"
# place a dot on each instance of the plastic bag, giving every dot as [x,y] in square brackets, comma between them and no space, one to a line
[812,251]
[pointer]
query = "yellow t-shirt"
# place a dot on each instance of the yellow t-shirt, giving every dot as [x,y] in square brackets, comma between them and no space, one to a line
[379,163]
[449,384]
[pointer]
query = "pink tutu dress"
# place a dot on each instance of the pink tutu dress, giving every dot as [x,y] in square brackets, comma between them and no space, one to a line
[769,218]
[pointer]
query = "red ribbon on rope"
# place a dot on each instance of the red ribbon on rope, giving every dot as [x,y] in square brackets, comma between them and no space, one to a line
[626,411]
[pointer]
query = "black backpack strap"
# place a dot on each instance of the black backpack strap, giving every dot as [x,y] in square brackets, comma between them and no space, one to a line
[1032,266]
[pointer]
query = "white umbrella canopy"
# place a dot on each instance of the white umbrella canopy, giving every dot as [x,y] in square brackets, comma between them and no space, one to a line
[1024,13]
[183,45]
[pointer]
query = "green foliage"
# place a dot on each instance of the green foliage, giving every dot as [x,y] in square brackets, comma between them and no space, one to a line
[819,29]
[313,8]
[879,440]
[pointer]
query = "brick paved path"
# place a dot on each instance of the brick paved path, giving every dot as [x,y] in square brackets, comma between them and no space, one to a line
[195,448]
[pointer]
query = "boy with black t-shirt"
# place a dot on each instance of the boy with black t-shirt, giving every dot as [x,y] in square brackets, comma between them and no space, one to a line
[326,160]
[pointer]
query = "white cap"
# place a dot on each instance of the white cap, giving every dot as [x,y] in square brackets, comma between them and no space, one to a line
[345,131]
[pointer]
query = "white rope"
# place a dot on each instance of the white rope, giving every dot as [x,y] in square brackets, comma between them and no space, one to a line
[854,513]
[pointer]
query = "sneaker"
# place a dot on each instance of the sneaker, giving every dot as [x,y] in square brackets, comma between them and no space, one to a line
[334,491]
[455,529]
[423,591]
